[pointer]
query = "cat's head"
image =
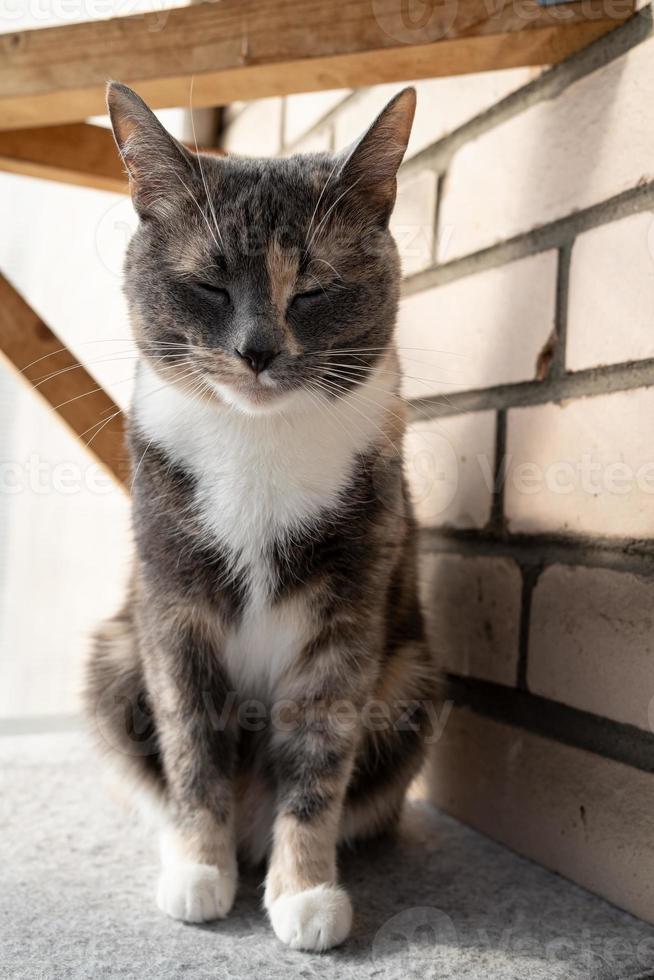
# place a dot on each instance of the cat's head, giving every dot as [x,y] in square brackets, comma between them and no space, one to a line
[255,279]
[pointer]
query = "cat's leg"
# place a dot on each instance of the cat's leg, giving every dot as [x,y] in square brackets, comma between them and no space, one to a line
[197,745]
[307,907]
[385,769]
[313,747]
[391,754]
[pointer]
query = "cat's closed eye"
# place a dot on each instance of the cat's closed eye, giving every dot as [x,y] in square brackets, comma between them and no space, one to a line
[219,293]
[301,300]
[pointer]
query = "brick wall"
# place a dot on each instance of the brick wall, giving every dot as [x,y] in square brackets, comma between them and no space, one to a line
[525,221]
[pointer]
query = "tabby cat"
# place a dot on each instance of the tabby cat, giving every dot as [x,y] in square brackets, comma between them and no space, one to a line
[266,685]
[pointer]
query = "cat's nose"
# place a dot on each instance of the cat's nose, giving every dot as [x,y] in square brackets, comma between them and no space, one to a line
[258,359]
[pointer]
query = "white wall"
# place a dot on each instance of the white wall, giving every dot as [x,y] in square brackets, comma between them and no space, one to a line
[64,552]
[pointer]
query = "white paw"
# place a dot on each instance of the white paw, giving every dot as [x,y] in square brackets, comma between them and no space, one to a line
[315,919]
[195,892]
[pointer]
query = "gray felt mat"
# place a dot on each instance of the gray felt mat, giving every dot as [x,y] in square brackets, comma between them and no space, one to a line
[76,883]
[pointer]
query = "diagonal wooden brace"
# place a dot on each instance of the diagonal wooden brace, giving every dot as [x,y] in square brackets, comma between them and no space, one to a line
[36,353]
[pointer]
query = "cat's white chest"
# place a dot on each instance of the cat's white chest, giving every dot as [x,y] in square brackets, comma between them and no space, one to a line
[253,488]
[257,480]
[248,504]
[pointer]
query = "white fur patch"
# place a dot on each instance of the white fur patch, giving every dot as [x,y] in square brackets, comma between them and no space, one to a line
[195,892]
[314,920]
[265,644]
[191,891]
[259,479]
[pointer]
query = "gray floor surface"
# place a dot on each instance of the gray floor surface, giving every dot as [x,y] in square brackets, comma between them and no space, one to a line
[76,882]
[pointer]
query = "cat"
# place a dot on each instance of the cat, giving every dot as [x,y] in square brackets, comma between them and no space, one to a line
[267,684]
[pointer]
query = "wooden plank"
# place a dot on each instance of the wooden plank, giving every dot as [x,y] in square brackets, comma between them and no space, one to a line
[36,353]
[249,49]
[77,153]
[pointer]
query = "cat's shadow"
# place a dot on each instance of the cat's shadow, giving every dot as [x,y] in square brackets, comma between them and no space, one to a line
[435,891]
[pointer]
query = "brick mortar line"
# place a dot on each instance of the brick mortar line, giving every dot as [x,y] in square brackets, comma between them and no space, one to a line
[497,520]
[558,722]
[441,180]
[530,578]
[549,85]
[587,383]
[536,551]
[557,234]
[557,367]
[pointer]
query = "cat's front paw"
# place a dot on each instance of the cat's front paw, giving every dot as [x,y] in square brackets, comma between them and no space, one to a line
[195,892]
[315,919]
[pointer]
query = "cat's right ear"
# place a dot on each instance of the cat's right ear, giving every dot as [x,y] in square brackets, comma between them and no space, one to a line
[371,165]
[158,166]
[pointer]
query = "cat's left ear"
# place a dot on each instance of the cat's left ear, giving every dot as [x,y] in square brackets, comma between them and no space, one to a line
[158,165]
[371,165]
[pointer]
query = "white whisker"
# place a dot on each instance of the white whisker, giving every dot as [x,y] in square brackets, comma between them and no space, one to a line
[320,197]
[361,380]
[204,181]
[337,388]
[330,209]
[203,215]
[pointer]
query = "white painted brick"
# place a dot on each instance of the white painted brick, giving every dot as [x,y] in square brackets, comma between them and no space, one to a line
[584,467]
[355,118]
[592,642]
[581,815]
[256,130]
[318,141]
[448,462]
[483,330]
[443,104]
[412,223]
[611,311]
[302,112]
[594,141]
[472,614]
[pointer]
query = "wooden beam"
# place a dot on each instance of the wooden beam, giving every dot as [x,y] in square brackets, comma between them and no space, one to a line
[249,49]
[77,153]
[36,353]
